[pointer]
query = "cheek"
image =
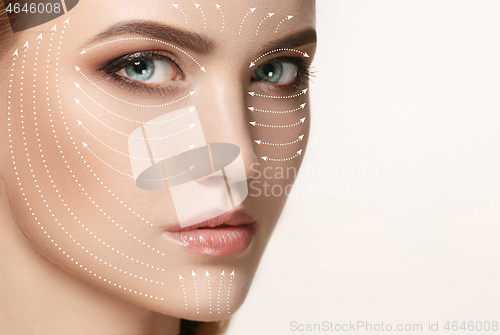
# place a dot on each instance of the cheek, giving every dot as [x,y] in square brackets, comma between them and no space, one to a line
[85,220]
[280,132]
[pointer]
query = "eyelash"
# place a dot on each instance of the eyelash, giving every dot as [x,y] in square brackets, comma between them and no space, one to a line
[304,74]
[111,71]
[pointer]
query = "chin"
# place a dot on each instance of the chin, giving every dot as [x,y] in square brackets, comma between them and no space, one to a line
[203,298]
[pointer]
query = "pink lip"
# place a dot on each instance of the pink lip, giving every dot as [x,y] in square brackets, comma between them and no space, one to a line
[225,235]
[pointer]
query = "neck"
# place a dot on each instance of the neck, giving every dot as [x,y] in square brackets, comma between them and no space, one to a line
[38,297]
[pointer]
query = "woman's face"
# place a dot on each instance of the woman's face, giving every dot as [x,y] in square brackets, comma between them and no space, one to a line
[109,119]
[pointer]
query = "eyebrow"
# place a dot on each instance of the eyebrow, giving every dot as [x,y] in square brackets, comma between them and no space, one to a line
[293,41]
[195,42]
[179,37]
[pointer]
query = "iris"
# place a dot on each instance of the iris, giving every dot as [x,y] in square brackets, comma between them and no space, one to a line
[141,70]
[277,71]
[270,72]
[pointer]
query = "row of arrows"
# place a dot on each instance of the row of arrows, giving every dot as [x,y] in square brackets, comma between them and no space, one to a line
[207,274]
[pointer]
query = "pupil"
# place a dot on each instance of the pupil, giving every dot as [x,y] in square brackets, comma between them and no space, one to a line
[269,70]
[140,67]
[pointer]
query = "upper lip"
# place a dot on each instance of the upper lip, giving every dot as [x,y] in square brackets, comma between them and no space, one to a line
[233,218]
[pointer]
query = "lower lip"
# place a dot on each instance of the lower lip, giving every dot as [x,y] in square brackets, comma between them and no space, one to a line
[215,242]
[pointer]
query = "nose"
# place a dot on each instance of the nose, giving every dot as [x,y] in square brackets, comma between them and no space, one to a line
[223,114]
[210,178]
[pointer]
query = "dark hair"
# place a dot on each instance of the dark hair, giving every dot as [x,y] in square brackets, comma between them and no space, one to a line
[7,42]
[7,38]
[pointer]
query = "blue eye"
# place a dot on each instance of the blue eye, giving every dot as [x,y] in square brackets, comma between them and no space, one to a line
[141,70]
[276,72]
[150,71]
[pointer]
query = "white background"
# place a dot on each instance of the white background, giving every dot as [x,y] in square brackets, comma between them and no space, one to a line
[410,89]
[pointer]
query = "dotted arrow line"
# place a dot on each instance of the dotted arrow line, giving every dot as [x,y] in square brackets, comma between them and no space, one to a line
[196,293]
[202,13]
[253,94]
[84,51]
[299,153]
[244,18]
[262,21]
[259,142]
[219,7]
[218,292]
[304,54]
[253,109]
[183,290]
[289,17]
[209,292]
[271,126]
[183,12]
[229,293]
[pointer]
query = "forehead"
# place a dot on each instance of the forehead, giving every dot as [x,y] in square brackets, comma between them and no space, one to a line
[229,24]
[174,10]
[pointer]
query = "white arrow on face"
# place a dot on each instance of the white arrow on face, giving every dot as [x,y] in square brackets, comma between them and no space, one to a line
[299,153]
[301,121]
[300,138]
[269,15]
[253,94]
[253,109]
[304,54]
[183,12]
